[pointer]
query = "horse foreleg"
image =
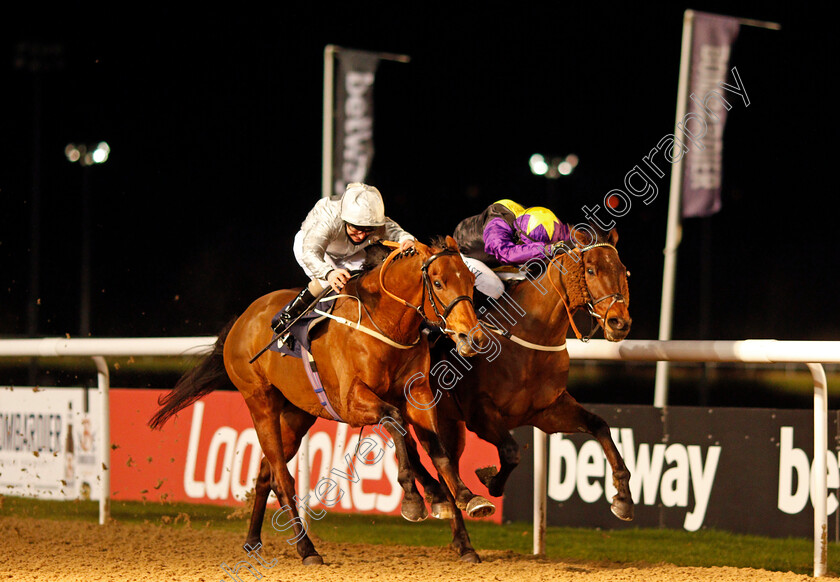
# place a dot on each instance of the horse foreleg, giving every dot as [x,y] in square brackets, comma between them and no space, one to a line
[436,496]
[566,415]
[489,425]
[425,425]
[370,409]
[453,438]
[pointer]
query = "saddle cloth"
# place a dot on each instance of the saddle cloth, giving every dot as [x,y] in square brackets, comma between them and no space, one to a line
[300,348]
[299,333]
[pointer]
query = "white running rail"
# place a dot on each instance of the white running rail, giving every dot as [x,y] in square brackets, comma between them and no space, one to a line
[811,353]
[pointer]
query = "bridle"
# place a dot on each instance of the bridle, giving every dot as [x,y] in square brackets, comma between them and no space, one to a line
[589,303]
[428,289]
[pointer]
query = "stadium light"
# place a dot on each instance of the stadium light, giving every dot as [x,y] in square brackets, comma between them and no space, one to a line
[87,155]
[539,167]
[553,168]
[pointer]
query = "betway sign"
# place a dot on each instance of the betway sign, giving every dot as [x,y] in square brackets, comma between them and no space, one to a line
[742,470]
[664,473]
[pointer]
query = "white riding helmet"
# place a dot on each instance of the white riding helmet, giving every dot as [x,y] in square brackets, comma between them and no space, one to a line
[362,205]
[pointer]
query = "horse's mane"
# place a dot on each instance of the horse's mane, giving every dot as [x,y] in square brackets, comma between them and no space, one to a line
[375,256]
[438,243]
[601,234]
[378,252]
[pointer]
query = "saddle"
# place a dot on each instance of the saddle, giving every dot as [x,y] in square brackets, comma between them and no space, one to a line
[509,273]
[299,332]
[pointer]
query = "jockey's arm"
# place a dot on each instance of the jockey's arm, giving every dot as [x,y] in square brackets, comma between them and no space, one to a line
[316,239]
[394,232]
[500,242]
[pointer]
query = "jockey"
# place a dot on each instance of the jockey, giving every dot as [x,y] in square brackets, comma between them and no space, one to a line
[506,233]
[332,241]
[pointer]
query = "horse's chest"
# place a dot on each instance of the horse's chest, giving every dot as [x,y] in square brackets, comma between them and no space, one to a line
[521,395]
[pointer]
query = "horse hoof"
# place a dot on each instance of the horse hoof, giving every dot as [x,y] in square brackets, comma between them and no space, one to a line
[314,560]
[442,510]
[623,510]
[470,558]
[486,474]
[480,507]
[495,490]
[414,513]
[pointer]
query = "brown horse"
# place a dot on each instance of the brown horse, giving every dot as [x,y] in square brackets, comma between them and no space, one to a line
[525,383]
[364,377]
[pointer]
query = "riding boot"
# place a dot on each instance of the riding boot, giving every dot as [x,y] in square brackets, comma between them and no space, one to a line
[297,307]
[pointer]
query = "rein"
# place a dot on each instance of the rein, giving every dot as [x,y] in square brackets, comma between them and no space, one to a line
[582,296]
[522,342]
[428,291]
[359,327]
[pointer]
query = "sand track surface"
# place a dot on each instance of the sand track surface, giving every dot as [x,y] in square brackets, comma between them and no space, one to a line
[69,551]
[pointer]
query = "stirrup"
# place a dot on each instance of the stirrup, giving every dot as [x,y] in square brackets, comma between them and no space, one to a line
[287,340]
[283,322]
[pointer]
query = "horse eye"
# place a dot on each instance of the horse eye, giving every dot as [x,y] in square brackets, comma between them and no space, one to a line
[438,285]
[590,271]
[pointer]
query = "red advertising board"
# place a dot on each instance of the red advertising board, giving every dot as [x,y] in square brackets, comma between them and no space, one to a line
[209,453]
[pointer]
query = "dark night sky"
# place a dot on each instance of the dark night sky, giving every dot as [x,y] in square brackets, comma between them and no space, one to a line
[215,127]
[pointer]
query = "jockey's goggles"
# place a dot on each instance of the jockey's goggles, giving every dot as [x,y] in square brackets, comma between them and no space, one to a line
[364,229]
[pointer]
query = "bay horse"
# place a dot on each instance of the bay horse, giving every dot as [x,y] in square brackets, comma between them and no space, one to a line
[525,384]
[364,375]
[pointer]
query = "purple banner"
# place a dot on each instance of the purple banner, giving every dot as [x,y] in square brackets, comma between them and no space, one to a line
[705,119]
[353,114]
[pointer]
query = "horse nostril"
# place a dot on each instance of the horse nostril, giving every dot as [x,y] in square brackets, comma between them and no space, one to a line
[474,341]
[465,345]
[617,323]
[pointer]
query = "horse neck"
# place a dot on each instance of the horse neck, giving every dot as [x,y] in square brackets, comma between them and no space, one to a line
[546,316]
[400,322]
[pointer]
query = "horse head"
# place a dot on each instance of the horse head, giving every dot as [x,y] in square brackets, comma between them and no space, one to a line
[602,280]
[435,282]
[448,302]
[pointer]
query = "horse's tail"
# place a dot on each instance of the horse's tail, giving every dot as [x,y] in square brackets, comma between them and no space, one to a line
[207,376]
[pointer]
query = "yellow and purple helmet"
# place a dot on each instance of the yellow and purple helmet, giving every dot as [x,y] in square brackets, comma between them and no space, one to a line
[539,224]
[514,207]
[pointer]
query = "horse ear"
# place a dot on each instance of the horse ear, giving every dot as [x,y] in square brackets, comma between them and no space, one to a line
[582,237]
[451,243]
[612,237]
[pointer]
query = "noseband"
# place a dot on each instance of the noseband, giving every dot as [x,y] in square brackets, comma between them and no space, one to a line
[428,290]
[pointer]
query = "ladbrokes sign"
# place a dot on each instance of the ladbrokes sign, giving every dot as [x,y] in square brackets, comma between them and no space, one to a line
[209,453]
[736,469]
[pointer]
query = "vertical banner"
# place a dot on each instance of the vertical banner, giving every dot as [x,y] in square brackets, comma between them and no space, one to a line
[706,108]
[353,114]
